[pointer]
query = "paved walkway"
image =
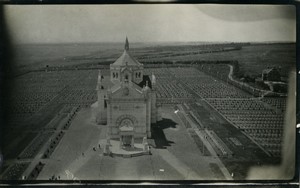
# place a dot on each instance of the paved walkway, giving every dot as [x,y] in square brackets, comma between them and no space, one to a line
[212,151]
[209,147]
[75,148]
[180,167]
[126,169]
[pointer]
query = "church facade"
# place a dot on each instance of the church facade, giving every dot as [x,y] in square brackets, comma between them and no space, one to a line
[128,103]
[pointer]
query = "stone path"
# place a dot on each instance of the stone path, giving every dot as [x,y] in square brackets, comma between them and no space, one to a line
[183,169]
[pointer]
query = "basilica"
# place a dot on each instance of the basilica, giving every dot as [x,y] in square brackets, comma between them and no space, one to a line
[127,104]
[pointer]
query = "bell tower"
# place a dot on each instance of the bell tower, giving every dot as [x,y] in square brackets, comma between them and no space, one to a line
[102,114]
[153,100]
[126,44]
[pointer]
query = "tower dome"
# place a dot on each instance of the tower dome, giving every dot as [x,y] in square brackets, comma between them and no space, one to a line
[126,59]
[126,67]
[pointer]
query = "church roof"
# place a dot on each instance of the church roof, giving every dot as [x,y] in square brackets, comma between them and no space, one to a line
[126,58]
[118,86]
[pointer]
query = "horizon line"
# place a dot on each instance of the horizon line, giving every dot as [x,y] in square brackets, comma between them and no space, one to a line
[155,42]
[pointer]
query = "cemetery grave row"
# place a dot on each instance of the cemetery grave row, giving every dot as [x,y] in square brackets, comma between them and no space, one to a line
[201,83]
[251,116]
[35,145]
[170,88]
[278,102]
[208,87]
[158,72]
[15,171]
[35,90]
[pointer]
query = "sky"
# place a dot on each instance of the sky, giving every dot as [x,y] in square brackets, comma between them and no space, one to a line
[150,23]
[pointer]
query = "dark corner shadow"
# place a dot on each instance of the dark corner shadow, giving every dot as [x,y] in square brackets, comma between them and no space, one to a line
[5,53]
[158,135]
[1,81]
[6,70]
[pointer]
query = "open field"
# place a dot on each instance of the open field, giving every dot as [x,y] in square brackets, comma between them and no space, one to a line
[252,58]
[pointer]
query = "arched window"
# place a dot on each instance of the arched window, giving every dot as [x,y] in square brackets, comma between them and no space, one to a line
[114,75]
[117,75]
[139,74]
[126,77]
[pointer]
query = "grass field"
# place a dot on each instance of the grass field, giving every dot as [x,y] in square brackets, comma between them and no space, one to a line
[252,58]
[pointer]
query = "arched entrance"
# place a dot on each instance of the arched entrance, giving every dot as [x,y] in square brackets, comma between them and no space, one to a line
[126,131]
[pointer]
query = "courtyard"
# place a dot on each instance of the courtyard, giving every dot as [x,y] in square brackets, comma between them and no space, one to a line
[174,155]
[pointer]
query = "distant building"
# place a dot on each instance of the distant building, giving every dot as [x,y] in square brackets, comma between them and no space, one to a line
[271,74]
[127,104]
